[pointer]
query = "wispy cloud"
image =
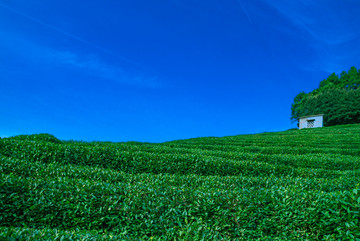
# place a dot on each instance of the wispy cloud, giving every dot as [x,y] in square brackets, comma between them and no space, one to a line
[325,25]
[61,31]
[320,20]
[89,64]
[244,10]
[93,65]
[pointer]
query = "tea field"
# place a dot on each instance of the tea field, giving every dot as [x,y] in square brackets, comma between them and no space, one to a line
[291,185]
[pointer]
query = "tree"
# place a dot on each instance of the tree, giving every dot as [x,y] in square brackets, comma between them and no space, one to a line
[338,98]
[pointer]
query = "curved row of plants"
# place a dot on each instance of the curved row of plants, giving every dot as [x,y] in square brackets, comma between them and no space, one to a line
[148,205]
[297,184]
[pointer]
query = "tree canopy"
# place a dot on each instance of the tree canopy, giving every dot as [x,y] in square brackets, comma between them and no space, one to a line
[338,98]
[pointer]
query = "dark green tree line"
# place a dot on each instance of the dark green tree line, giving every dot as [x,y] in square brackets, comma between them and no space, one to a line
[338,98]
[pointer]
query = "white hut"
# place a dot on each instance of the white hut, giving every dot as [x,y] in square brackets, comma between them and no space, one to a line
[311,121]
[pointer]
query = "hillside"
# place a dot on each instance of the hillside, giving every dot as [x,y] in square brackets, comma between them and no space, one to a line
[296,184]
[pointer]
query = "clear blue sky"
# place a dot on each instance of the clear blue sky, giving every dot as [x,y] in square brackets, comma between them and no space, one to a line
[166,69]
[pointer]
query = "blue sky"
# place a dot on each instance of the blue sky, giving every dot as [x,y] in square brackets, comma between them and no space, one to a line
[154,71]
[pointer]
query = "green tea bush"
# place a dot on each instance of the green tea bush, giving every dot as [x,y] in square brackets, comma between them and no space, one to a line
[37,137]
[292,185]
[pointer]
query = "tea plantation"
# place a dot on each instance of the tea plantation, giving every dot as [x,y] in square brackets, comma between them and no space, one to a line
[291,185]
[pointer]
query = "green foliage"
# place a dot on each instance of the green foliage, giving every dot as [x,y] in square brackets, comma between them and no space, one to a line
[37,137]
[291,185]
[338,98]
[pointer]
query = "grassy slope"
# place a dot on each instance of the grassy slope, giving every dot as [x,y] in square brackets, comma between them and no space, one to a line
[297,184]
